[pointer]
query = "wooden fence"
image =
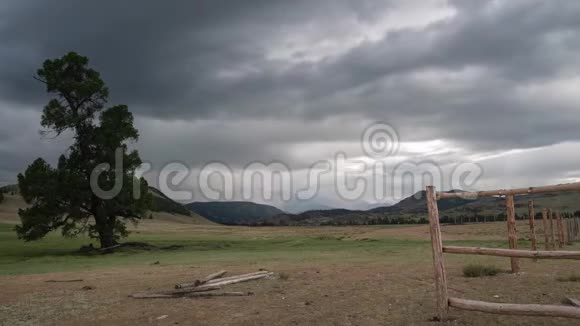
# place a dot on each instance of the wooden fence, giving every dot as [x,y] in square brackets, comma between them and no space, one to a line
[554,225]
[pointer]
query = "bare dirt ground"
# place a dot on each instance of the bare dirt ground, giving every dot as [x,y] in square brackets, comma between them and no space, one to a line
[313,294]
[393,291]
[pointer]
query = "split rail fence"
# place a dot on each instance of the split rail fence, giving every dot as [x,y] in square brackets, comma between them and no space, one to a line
[554,237]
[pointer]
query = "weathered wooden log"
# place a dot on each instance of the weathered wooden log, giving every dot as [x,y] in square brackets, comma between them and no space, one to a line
[569,231]
[218,294]
[239,280]
[531,216]
[546,228]
[191,295]
[203,288]
[552,230]
[505,192]
[214,276]
[64,281]
[152,296]
[235,277]
[572,302]
[512,232]
[206,279]
[575,255]
[560,225]
[516,309]
[438,261]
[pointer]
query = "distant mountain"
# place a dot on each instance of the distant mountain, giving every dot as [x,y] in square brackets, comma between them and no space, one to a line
[234,212]
[300,206]
[161,203]
[413,209]
[416,204]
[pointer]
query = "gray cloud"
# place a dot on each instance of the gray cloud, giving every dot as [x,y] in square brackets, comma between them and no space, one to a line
[265,80]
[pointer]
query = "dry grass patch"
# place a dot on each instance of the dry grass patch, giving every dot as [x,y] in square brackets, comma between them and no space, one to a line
[477,270]
[571,278]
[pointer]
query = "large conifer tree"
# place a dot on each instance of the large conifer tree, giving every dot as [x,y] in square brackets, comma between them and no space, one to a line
[61,197]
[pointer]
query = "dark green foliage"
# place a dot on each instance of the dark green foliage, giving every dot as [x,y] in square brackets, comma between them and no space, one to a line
[1,197]
[475,270]
[61,197]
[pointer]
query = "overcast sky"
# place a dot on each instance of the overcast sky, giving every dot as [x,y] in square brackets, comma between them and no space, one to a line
[495,83]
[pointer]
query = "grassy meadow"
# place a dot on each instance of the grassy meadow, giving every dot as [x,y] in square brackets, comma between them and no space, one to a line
[351,275]
[215,244]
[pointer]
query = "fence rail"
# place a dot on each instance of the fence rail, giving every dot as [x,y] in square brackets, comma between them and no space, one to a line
[548,219]
[516,253]
[503,192]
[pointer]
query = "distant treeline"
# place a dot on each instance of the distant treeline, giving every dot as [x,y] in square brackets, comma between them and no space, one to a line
[445,219]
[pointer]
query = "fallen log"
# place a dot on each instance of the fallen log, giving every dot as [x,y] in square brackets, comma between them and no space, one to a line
[204,288]
[214,276]
[572,302]
[191,295]
[515,309]
[64,281]
[152,296]
[239,280]
[218,294]
[205,280]
[235,277]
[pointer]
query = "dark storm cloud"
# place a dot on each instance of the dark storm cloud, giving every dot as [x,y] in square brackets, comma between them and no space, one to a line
[166,59]
[238,81]
[161,57]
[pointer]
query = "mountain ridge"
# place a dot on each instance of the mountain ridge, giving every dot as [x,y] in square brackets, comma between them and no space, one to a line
[234,212]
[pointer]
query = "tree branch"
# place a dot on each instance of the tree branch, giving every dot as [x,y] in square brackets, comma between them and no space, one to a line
[40,80]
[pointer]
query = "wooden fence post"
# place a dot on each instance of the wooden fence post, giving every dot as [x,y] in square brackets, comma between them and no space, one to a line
[512,232]
[572,230]
[560,230]
[532,216]
[546,229]
[438,262]
[569,231]
[552,230]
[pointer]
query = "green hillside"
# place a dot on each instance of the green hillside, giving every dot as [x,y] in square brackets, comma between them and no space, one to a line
[234,212]
[162,203]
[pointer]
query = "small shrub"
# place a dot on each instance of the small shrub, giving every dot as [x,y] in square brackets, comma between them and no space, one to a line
[474,270]
[571,278]
[283,276]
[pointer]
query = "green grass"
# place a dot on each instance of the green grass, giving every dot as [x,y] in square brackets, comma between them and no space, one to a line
[55,253]
[477,270]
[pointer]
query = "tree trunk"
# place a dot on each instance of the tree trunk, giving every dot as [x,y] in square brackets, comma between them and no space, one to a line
[107,239]
[105,229]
